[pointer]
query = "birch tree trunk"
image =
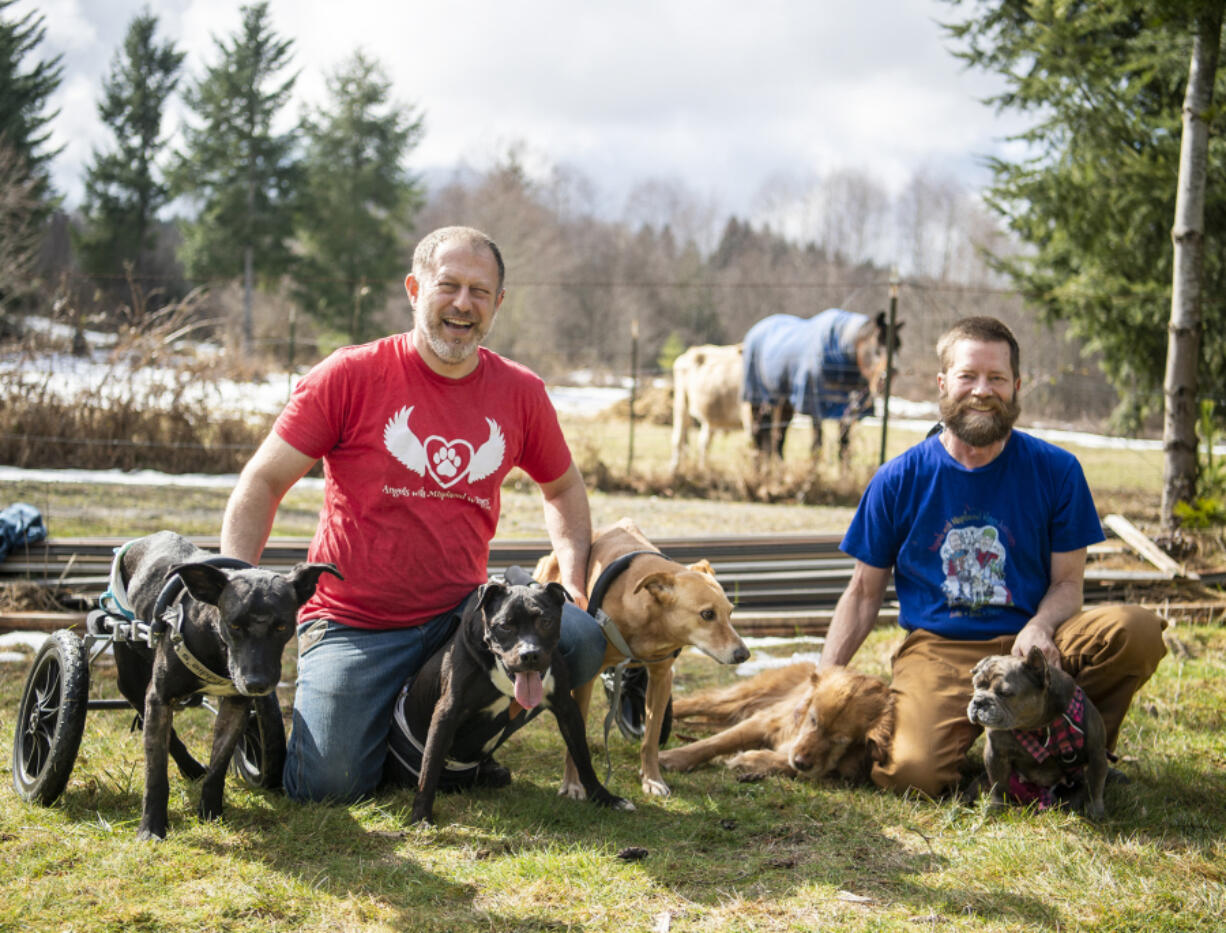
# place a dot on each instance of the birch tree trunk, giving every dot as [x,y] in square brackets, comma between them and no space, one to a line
[1188,234]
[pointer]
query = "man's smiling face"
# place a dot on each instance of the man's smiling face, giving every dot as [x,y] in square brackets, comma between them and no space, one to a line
[454,304]
[978,392]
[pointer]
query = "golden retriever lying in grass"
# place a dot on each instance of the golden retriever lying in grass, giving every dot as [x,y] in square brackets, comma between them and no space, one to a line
[791,720]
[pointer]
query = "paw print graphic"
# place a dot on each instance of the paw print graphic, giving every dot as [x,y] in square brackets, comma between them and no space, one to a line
[446,462]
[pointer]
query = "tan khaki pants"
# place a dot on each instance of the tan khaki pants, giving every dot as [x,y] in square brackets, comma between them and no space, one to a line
[1110,651]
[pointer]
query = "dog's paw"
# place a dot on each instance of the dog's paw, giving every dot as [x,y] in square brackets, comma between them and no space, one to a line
[574,790]
[149,835]
[654,787]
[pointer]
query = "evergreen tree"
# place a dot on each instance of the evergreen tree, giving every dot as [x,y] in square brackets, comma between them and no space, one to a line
[24,92]
[359,200]
[241,175]
[123,191]
[1094,193]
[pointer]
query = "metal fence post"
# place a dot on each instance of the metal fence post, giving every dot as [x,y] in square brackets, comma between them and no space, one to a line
[634,381]
[889,359]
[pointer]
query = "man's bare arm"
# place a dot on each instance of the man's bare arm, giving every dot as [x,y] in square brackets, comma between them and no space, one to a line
[1061,602]
[568,522]
[252,506]
[855,614]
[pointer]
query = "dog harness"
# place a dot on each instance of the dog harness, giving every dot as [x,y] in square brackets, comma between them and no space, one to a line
[455,773]
[1065,731]
[167,619]
[614,637]
[115,599]
[1064,736]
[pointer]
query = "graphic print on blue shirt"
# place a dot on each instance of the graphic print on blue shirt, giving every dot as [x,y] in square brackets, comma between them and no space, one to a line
[973,558]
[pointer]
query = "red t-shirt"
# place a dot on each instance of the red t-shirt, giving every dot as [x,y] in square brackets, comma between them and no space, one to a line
[413,469]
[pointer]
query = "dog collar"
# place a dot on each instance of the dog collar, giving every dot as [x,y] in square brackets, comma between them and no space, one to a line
[599,590]
[1065,732]
[168,616]
[214,684]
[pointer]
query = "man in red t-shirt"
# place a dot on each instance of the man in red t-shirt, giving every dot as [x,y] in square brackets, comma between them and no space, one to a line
[416,432]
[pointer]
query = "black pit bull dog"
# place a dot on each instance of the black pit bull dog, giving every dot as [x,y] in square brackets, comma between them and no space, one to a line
[232,630]
[502,659]
[1042,733]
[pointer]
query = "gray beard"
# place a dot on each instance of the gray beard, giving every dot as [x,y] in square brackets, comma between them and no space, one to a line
[978,428]
[448,351]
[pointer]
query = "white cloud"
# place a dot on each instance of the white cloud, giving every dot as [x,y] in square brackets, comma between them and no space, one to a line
[719,94]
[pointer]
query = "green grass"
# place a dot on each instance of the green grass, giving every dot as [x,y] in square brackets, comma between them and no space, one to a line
[722,855]
[776,855]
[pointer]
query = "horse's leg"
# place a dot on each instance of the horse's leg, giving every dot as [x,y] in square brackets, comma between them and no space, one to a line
[783,418]
[763,419]
[704,443]
[859,401]
[815,449]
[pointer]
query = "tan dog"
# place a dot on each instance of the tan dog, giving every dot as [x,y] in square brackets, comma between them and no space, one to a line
[792,720]
[659,606]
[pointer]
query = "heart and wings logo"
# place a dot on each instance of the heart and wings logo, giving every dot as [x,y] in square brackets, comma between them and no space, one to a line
[447,461]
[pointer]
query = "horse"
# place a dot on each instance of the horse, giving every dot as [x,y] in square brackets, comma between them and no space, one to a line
[707,388]
[832,365]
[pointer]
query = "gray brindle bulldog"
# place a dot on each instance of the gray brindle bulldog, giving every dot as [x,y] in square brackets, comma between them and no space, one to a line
[1043,733]
[227,641]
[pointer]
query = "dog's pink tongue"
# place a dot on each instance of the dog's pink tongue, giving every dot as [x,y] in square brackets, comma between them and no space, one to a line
[529,689]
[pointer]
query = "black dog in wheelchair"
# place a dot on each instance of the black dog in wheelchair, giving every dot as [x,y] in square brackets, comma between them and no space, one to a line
[225,640]
[215,626]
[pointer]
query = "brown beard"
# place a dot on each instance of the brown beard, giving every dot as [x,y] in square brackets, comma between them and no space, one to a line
[979,428]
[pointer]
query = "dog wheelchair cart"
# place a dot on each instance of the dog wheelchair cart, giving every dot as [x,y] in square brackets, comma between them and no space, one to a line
[51,714]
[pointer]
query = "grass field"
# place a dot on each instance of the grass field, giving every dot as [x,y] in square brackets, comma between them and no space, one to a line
[721,855]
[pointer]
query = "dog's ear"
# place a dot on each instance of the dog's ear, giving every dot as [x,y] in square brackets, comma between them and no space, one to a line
[204,581]
[659,585]
[1036,664]
[558,592]
[703,566]
[487,593]
[1037,668]
[880,735]
[305,577]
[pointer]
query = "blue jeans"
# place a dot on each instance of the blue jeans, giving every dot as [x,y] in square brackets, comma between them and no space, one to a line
[348,679]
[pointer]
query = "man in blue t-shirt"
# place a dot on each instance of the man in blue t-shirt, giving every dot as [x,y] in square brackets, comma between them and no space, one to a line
[986,530]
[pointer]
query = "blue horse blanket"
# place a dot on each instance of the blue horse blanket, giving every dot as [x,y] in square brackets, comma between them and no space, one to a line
[811,362]
[20,524]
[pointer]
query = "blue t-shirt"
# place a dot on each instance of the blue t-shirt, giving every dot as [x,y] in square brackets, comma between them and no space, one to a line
[971,549]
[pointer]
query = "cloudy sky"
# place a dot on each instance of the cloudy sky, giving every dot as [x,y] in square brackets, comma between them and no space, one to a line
[726,96]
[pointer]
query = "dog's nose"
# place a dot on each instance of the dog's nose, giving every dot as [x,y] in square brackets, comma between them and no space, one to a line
[741,654]
[801,762]
[256,686]
[530,657]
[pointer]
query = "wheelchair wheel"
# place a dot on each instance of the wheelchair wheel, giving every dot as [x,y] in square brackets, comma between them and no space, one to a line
[51,719]
[260,753]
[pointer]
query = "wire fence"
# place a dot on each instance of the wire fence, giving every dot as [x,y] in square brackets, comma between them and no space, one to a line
[622,334]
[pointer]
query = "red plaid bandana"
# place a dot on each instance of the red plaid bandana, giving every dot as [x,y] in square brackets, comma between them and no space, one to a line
[1065,731]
